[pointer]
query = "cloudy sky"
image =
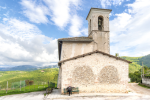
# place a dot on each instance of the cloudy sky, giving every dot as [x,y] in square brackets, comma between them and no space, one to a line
[29,29]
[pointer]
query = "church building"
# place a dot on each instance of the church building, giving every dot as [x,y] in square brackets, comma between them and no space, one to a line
[86,63]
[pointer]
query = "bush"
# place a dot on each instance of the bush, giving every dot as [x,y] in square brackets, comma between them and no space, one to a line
[28,82]
[52,85]
[31,82]
[135,77]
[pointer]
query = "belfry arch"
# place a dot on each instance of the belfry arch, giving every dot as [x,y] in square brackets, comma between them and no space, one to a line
[100,23]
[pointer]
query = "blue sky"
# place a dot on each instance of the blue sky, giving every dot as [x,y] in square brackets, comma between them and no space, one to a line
[30,28]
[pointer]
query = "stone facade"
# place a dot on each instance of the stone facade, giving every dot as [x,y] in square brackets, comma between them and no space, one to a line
[86,62]
[93,20]
[71,49]
[101,41]
[95,73]
[101,38]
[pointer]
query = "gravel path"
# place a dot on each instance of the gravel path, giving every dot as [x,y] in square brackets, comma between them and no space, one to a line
[138,89]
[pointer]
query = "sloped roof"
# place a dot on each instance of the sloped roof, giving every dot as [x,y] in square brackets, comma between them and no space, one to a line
[72,39]
[98,9]
[79,56]
[86,39]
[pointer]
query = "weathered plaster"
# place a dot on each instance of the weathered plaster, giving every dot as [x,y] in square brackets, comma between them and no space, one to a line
[71,49]
[88,70]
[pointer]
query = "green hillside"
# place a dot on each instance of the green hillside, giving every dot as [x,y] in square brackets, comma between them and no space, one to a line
[42,75]
[132,59]
[139,60]
[135,65]
[145,60]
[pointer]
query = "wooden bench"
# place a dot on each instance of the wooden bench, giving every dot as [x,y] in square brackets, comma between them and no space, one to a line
[74,90]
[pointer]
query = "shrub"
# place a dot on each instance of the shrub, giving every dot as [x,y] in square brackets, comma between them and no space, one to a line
[52,85]
[28,82]
[31,82]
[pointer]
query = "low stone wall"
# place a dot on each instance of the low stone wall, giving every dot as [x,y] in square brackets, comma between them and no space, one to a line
[146,81]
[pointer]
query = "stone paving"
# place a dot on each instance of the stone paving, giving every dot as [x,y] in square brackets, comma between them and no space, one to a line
[25,96]
[55,95]
[107,98]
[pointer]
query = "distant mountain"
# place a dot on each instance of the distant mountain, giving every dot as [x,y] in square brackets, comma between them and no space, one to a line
[26,68]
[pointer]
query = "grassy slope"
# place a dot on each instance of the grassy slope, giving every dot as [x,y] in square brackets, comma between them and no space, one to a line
[134,66]
[36,75]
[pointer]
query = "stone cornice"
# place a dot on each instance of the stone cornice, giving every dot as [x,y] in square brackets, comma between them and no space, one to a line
[96,31]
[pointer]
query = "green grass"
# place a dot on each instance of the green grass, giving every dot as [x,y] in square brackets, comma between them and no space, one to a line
[49,74]
[37,76]
[26,89]
[144,86]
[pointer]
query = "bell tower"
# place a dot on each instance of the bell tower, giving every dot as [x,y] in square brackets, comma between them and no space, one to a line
[98,28]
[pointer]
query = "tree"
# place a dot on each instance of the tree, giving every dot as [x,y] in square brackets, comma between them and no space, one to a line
[117,54]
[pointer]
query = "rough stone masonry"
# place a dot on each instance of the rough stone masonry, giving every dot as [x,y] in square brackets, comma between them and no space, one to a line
[85,62]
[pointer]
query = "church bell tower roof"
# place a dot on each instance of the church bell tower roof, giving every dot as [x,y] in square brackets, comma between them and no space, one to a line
[98,9]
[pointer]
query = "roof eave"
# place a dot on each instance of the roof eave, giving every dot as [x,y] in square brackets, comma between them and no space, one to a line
[79,56]
[77,40]
[97,9]
[59,44]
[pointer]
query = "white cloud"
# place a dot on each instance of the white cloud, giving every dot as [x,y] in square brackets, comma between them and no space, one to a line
[105,3]
[76,27]
[2,7]
[58,10]
[130,32]
[5,19]
[61,13]
[23,44]
[36,13]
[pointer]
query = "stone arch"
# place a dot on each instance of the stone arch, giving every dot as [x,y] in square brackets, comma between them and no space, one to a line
[100,23]
[82,76]
[108,75]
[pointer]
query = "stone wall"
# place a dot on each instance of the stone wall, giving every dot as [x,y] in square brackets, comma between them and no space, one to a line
[94,21]
[146,81]
[95,73]
[71,49]
[101,41]
[101,38]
